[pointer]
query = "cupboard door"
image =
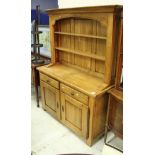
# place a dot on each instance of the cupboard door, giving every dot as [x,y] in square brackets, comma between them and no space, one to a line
[50,99]
[74,115]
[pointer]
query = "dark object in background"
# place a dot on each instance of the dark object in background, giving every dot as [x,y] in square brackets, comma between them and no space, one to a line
[44,19]
[35,33]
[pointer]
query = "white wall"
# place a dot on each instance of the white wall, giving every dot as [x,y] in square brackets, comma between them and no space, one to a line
[80,3]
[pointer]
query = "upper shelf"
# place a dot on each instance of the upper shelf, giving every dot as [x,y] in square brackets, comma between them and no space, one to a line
[94,56]
[81,35]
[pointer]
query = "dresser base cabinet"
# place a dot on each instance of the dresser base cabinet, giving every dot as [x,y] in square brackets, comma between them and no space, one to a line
[86,119]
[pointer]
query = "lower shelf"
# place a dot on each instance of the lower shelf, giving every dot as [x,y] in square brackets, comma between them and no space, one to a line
[81,53]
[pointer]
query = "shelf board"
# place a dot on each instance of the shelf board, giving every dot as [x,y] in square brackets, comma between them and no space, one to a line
[36,32]
[36,45]
[80,35]
[94,56]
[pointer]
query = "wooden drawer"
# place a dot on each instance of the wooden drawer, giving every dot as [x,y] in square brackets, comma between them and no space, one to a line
[74,93]
[49,80]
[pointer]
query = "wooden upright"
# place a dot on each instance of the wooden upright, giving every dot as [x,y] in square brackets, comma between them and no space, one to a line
[83,57]
[114,120]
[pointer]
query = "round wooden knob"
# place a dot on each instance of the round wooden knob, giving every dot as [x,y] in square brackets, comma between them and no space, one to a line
[72,93]
[63,108]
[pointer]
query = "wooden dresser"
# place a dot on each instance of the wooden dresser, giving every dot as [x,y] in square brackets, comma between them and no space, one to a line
[84,49]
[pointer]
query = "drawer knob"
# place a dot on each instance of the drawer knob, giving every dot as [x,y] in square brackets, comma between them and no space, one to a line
[72,93]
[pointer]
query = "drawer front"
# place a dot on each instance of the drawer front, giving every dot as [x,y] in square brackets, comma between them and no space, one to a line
[74,93]
[49,80]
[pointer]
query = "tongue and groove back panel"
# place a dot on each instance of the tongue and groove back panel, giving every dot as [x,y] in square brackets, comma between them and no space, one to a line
[84,36]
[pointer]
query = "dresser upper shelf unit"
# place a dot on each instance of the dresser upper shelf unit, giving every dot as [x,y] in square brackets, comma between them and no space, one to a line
[81,35]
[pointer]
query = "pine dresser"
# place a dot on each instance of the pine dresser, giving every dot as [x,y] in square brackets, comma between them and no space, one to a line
[83,64]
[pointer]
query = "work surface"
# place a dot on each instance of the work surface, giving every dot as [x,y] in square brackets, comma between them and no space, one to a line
[75,78]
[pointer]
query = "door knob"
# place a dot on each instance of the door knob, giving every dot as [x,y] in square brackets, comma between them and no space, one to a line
[72,93]
[63,108]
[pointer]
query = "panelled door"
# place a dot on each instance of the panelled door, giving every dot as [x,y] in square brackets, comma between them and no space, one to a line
[50,99]
[74,115]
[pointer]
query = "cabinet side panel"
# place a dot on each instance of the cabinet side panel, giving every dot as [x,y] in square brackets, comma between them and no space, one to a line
[109,50]
[100,115]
